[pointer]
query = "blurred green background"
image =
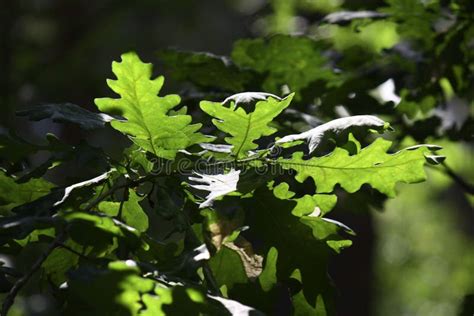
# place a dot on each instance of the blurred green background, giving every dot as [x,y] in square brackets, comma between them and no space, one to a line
[414,257]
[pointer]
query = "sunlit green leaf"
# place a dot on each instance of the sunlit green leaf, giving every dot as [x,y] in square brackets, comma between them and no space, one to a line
[130,212]
[245,128]
[146,114]
[373,165]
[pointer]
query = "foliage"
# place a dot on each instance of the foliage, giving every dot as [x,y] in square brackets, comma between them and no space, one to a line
[142,109]
[230,215]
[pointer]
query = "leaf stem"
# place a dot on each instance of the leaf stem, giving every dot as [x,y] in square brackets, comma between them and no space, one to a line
[210,279]
[124,196]
[208,275]
[80,255]
[117,186]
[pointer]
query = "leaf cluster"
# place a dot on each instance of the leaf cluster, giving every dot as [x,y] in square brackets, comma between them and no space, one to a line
[222,205]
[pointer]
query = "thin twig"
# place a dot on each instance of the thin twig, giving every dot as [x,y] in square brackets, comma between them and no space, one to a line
[469,188]
[446,170]
[122,248]
[208,275]
[10,298]
[128,184]
[124,196]
[102,196]
[80,255]
[210,279]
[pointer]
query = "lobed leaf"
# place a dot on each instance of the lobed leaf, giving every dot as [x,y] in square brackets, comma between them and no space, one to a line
[13,194]
[283,60]
[148,121]
[278,228]
[217,185]
[372,165]
[69,113]
[202,69]
[244,127]
[130,212]
[314,137]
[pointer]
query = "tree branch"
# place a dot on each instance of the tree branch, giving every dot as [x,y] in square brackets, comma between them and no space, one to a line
[10,298]
[117,186]
[469,188]
[208,275]
[80,255]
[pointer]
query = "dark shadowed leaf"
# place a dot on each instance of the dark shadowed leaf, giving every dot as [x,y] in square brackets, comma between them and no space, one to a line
[283,60]
[67,113]
[202,69]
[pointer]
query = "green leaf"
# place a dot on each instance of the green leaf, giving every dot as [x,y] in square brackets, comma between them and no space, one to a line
[307,204]
[137,159]
[154,302]
[311,209]
[296,245]
[327,231]
[99,230]
[13,194]
[228,268]
[202,69]
[67,113]
[179,300]
[260,293]
[268,277]
[418,108]
[314,137]
[26,229]
[301,306]
[116,290]
[338,245]
[415,18]
[89,182]
[14,149]
[147,119]
[36,236]
[373,165]
[132,213]
[244,127]
[121,290]
[59,262]
[283,60]
[216,184]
